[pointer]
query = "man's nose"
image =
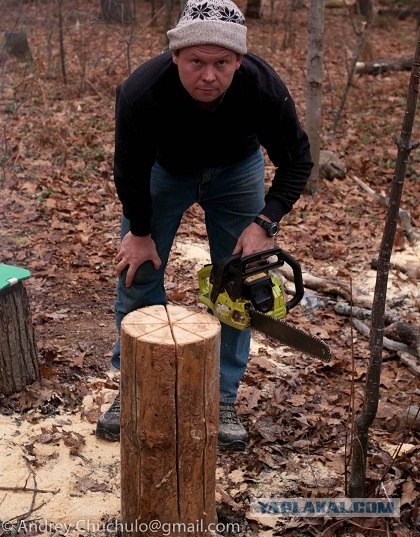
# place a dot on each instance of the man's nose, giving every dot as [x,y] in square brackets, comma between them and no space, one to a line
[208,73]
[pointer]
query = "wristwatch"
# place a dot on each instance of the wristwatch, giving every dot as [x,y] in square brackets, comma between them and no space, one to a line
[272,228]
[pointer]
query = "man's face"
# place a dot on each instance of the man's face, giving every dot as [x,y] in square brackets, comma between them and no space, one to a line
[206,71]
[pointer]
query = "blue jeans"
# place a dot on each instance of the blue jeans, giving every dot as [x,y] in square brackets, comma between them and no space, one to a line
[231,196]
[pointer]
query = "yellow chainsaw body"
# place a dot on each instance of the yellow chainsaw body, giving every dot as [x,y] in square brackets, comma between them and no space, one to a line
[235,313]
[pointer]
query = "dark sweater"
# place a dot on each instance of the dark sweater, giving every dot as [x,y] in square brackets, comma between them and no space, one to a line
[157,120]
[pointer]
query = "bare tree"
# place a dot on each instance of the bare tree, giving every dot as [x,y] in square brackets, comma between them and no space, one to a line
[118,11]
[314,85]
[370,405]
[361,39]
[365,9]
[253,9]
[61,37]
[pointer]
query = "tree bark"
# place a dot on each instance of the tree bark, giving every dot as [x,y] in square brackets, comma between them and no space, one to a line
[365,9]
[169,420]
[18,354]
[357,481]
[314,86]
[253,9]
[16,44]
[118,11]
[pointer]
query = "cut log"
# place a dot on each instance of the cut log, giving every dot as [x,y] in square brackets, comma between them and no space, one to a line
[405,332]
[379,67]
[169,420]
[387,343]
[18,354]
[400,13]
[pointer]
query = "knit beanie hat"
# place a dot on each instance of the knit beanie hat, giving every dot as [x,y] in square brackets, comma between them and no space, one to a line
[210,22]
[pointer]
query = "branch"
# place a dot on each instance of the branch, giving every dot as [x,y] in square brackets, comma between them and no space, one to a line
[334,287]
[29,489]
[410,362]
[344,308]
[404,216]
[359,47]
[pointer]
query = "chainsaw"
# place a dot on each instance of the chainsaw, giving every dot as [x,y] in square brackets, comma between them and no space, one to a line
[243,292]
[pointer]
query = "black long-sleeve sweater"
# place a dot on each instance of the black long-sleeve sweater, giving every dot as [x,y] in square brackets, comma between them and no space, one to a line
[157,120]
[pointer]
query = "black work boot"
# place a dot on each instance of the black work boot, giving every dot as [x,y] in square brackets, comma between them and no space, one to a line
[232,435]
[108,426]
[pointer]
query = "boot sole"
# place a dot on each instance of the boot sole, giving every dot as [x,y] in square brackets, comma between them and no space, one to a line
[104,434]
[236,445]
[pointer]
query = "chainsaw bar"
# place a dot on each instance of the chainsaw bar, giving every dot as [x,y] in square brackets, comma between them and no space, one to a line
[289,335]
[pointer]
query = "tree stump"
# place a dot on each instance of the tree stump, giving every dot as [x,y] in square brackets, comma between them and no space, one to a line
[169,421]
[18,355]
[16,44]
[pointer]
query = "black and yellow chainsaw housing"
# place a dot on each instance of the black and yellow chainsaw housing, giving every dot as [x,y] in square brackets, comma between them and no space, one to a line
[230,288]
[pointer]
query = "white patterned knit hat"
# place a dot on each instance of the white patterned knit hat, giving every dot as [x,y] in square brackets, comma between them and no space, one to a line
[210,22]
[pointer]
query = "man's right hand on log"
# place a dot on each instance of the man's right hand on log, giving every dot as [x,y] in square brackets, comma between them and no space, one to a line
[134,251]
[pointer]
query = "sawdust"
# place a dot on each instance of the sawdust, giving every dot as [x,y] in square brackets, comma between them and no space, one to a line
[78,489]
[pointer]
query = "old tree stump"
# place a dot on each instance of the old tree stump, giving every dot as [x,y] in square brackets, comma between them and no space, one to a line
[169,421]
[18,355]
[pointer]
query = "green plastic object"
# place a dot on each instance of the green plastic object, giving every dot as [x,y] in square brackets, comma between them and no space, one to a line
[10,275]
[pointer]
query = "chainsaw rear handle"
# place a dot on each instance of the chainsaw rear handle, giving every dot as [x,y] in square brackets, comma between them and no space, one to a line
[237,267]
[281,258]
[297,280]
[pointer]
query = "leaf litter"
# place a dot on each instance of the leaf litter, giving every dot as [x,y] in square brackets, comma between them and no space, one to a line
[60,217]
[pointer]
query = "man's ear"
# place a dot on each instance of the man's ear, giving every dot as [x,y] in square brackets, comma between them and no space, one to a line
[175,57]
[239,58]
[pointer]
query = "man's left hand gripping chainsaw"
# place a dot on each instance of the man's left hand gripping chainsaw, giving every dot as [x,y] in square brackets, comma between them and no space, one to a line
[244,293]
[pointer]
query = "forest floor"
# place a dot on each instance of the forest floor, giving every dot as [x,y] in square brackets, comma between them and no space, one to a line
[59,218]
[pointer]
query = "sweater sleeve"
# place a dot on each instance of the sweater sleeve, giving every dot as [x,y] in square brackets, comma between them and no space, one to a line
[287,146]
[135,153]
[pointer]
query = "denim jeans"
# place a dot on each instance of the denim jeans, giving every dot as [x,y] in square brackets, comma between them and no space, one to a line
[231,196]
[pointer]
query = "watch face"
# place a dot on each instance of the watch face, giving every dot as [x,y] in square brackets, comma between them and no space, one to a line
[274,229]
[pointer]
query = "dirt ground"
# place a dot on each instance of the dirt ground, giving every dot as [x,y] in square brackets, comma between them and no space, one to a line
[59,218]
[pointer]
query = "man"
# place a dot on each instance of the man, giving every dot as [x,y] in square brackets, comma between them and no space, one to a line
[190,124]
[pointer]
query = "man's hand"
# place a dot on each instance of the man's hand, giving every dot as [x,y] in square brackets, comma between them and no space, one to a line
[252,240]
[134,251]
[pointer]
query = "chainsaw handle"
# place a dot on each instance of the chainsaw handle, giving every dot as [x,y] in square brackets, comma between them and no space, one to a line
[297,279]
[234,268]
[257,258]
[282,257]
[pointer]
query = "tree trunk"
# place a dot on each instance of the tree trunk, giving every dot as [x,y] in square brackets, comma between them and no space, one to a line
[314,86]
[18,355]
[169,420]
[357,482]
[253,9]
[365,8]
[118,11]
[16,44]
